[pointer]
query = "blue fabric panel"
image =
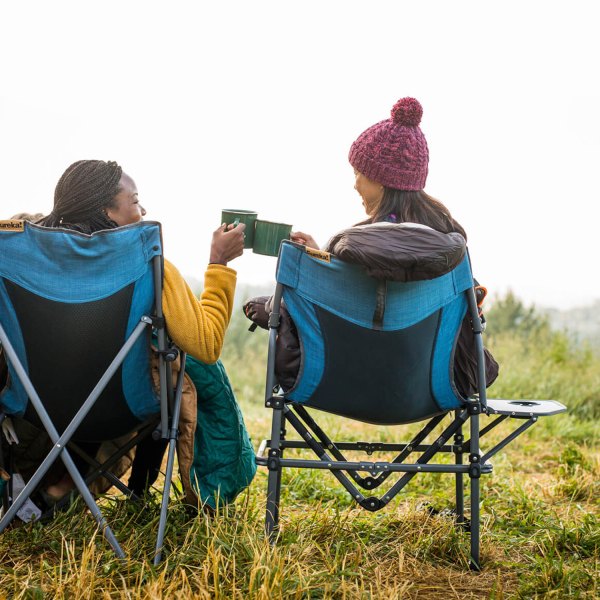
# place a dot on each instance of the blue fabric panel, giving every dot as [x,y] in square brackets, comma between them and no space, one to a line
[313,349]
[138,388]
[40,259]
[443,390]
[336,286]
[347,292]
[13,400]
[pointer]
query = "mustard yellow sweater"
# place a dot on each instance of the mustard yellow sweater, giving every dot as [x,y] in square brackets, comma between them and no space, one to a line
[198,325]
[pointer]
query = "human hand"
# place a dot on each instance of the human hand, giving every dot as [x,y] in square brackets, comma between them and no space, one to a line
[303,238]
[227,243]
[255,309]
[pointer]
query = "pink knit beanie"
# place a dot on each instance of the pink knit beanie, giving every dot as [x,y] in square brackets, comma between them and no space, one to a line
[394,152]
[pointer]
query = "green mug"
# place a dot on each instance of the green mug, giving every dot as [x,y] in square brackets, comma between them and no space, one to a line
[235,216]
[268,237]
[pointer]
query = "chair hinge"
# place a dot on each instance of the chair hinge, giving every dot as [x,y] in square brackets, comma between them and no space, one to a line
[274,402]
[474,408]
[474,466]
[457,447]
[368,447]
[368,482]
[170,354]
[158,322]
[273,462]
[372,503]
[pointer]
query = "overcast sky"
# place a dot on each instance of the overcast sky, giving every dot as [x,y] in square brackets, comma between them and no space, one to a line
[254,104]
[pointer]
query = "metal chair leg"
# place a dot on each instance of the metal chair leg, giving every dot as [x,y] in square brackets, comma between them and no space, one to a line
[274,480]
[474,474]
[173,433]
[459,478]
[475,564]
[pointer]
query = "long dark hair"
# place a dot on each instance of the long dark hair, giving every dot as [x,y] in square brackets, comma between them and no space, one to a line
[82,195]
[415,207]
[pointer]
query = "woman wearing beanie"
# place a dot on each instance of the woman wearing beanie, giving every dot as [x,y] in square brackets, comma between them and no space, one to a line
[390,161]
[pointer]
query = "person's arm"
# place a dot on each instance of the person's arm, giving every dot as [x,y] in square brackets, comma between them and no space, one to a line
[198,326]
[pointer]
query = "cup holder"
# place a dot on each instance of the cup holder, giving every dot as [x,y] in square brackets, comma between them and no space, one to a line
[524,403]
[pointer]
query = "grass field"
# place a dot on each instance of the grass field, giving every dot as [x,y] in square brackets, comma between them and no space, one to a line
[540,514]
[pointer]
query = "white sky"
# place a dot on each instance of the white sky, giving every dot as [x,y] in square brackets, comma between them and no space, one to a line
[254,104]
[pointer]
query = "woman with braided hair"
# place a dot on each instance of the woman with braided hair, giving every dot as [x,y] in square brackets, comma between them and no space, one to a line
[84,193]
[94,195]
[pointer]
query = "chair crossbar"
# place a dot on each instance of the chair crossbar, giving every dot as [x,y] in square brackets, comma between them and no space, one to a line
[369,448]
[509,438]
[374,467]
[491,425]
[101,470]
[465,446]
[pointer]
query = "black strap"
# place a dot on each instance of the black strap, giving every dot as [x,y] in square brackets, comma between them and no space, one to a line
[380,304]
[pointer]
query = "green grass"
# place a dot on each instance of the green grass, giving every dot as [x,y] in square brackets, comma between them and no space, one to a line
[540,516]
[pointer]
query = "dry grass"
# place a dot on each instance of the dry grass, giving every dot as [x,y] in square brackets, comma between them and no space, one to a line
[540,518]
[540,538]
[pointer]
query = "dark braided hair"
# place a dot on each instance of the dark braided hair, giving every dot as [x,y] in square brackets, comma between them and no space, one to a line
[83,193]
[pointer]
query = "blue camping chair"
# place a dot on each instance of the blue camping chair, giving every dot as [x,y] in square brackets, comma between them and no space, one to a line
[382,354]
[76,317]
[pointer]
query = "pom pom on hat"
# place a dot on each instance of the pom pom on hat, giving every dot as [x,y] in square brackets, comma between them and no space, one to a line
[394,152]
[408,112]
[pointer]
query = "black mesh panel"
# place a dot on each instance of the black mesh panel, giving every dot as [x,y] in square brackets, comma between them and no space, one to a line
[69,346]
[380,377]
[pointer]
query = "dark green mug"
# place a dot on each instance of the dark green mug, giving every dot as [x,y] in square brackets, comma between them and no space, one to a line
[268,237]
[235,216]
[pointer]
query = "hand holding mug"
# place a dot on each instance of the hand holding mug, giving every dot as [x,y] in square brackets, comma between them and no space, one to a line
[227,243]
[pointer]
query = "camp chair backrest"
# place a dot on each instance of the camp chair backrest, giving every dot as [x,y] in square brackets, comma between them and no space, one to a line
[408,355]
[68,302]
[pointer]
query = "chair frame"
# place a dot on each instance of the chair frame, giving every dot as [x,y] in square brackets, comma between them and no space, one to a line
[168,423]
[451,440]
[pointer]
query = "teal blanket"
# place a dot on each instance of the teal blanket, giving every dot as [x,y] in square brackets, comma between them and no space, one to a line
[223,462]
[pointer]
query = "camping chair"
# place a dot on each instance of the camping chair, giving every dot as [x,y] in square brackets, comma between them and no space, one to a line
[76,317]
[382,353]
